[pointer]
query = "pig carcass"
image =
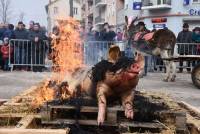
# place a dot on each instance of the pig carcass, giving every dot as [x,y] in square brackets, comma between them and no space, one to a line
[115,78]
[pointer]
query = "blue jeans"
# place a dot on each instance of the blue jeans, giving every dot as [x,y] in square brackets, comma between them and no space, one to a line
[19,55]
[6,66]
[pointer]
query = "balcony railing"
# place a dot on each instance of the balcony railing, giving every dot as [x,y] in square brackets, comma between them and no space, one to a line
[100,2]
[90,10]
[99,19]
[156,4]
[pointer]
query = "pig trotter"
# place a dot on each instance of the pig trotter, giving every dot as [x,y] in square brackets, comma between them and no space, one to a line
[102,109]
[129,110]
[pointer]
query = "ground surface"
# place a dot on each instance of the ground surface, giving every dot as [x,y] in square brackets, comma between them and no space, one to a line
[13,83]
[181,90]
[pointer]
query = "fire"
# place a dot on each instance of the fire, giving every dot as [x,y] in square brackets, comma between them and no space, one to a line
[68,50]
[68,56]
[44,94]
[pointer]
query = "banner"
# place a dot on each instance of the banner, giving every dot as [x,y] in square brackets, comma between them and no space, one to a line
[186,2]
[137,5]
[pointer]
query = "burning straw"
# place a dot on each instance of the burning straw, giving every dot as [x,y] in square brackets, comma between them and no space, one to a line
[67,58]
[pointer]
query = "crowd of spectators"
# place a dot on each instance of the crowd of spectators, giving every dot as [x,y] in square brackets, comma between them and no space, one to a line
[184,37]
[33,52]
[23,52]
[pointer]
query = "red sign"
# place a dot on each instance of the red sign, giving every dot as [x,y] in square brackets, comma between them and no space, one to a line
[159,20]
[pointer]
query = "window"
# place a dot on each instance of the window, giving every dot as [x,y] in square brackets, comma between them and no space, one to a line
[75,11]
[55,10]
[196,1]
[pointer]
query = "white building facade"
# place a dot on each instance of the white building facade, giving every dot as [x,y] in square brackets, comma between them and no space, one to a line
[166,13]
[60,10]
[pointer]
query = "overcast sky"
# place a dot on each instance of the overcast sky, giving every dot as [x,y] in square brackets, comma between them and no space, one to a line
[33,9]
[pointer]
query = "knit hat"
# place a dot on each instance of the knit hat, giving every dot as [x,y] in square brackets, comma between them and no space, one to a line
[185,25]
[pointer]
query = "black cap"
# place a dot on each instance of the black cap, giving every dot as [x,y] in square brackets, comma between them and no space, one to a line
[196,29]
[20,22]
[185,25]
[141,23]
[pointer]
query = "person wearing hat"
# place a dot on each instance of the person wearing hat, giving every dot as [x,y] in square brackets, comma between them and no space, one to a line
[142,27]
[185,36]
[196,35]
[196,38]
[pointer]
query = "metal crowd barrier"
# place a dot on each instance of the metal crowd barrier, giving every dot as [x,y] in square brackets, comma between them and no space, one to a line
[27,53]
[187,48]
[95,51]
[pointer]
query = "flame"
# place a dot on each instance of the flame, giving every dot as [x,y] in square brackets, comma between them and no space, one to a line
[68,50]
[44,94]
[68,56]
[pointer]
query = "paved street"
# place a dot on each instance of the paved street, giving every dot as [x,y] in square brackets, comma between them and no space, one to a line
[181,90]
[15,82]
[12,83]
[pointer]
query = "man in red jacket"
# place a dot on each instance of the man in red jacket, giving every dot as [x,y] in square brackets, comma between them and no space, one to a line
[6,51]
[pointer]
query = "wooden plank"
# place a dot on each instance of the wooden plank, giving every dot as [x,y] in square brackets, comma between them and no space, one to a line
[181,123]
[17,115]
[143,125]
[87,108]
[71,121]
[112,117]
[194,124]
[193,110]
[34,131]
[25,122]
[94,123]
[2,101]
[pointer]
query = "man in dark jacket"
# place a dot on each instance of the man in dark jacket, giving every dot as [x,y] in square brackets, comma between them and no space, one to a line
[2,30]
[185,36]
[9,33]
[21,45]
[38,47]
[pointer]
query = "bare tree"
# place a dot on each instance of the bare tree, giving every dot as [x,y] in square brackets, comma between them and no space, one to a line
[21,16]
[5,10]
[71,8]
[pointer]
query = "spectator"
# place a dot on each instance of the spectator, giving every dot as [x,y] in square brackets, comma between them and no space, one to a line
[5,54]
[119,35]
[9,33]
[111,34]
[20,32]
[185,36]
[21,46]
[104,32]
[196,38]
[196,35]
[38,47]
[142,31]
[31,25]
[107,34]
[93,34]
[2,30]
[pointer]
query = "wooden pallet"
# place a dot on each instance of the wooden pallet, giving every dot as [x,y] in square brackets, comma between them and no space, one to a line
[17,108]
[114,118]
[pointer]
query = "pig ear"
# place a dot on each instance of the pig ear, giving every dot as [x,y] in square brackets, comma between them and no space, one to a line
[126,20]
[139,59]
